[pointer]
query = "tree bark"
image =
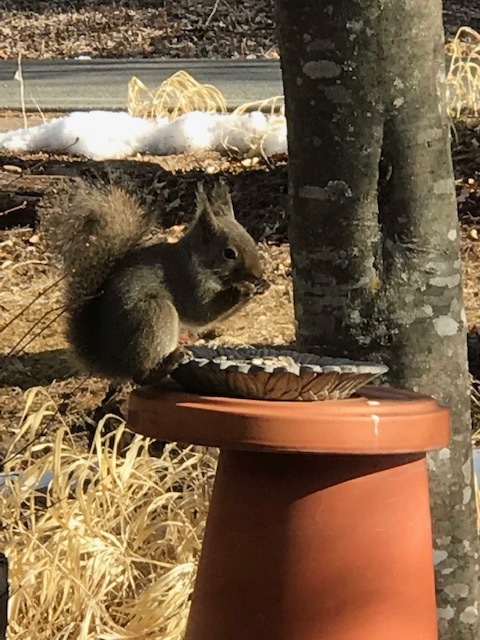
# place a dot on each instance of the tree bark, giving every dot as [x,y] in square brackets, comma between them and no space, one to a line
[3,596]
[374,231]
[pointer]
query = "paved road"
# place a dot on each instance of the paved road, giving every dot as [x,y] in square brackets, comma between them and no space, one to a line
[102,84]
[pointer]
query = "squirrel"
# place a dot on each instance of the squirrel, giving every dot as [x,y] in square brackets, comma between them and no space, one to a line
[127,301]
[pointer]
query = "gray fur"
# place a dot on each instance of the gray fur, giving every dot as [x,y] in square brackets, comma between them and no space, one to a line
[128,302]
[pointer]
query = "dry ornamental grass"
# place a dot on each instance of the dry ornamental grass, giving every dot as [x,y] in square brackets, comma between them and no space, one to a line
[108,551]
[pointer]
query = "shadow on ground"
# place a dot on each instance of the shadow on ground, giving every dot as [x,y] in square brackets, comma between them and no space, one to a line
[166,187]
[35,369]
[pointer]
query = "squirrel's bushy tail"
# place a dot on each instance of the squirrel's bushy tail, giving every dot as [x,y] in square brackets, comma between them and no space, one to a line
[100,226]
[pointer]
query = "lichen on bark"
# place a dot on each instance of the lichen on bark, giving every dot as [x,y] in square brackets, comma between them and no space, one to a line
[374,231]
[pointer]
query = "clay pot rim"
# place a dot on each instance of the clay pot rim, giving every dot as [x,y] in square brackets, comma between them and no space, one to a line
[372,399]
[382,420]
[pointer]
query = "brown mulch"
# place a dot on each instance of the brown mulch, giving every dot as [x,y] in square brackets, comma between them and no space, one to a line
[460,13]
[137,28]
[145,28]
[467,181]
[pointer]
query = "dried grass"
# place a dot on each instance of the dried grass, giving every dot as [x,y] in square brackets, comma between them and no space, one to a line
[274,106]
[109,550]
[177,95]
[271,106]
[463,77]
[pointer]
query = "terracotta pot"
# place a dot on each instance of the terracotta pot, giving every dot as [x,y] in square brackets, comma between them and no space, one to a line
[319,524]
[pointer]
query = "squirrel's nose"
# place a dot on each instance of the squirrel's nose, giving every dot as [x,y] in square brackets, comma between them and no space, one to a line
[256,269]
[252,273]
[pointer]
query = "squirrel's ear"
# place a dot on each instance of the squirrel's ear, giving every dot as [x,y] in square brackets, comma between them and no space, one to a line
[201,197]
[221,201]
[205,219]
[203,203]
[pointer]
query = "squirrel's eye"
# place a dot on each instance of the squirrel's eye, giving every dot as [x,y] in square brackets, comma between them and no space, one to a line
[230,253]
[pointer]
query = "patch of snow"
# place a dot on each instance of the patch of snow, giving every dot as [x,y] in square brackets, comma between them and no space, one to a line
[103,135]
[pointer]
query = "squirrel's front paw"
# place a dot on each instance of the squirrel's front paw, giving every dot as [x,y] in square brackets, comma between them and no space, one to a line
[249,289]
[261,285]
[246,290]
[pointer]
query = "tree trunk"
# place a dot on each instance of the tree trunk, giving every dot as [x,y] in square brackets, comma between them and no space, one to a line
[3,596]
[374,231]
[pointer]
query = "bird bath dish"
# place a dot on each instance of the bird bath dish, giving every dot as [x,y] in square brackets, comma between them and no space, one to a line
[271,374]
